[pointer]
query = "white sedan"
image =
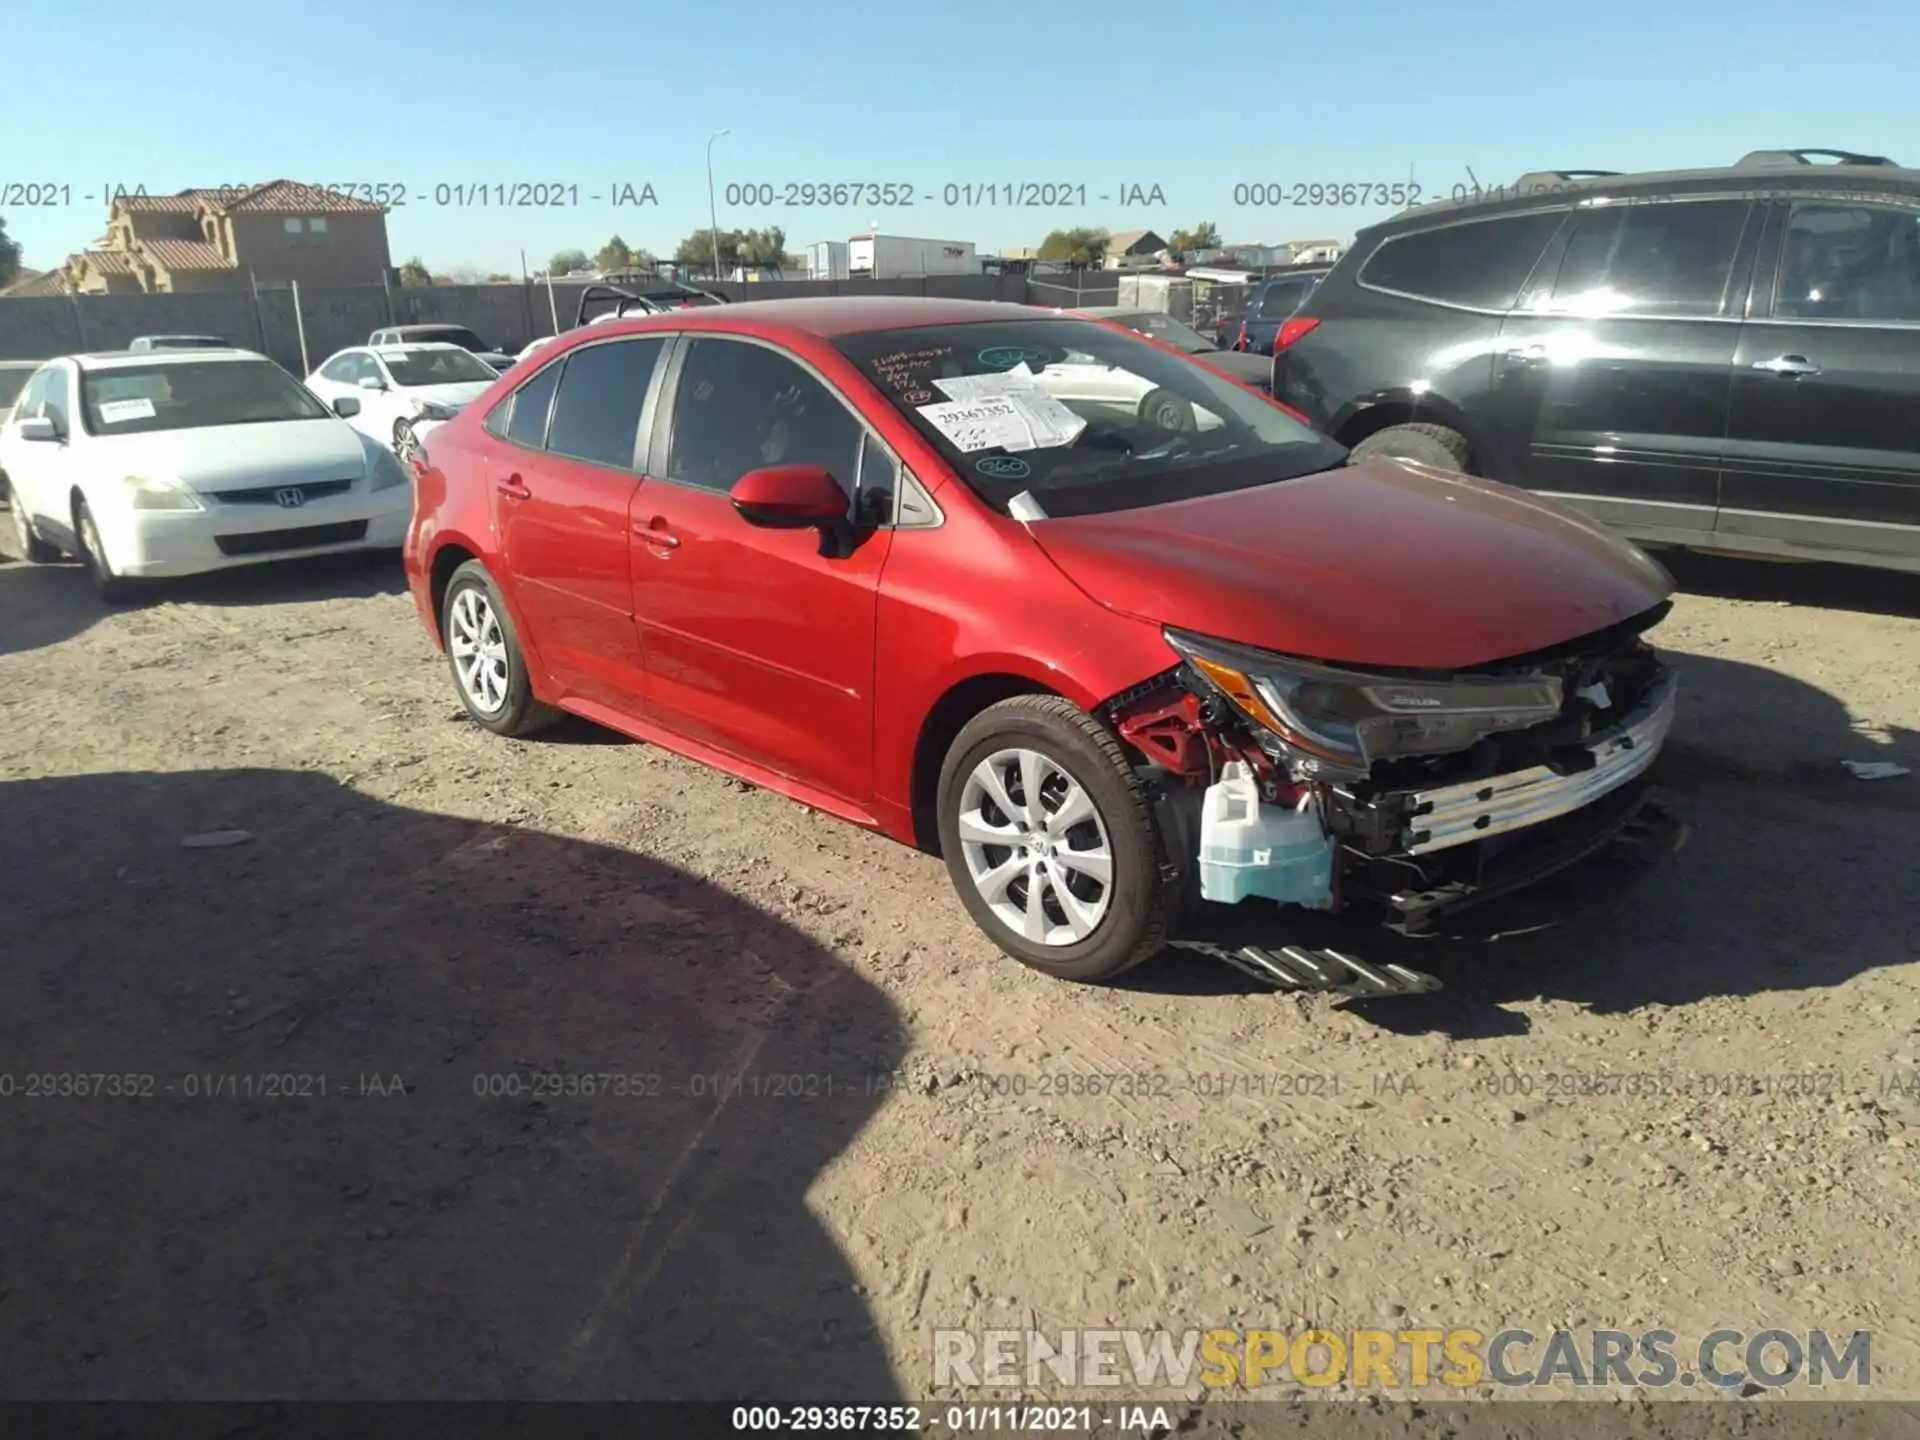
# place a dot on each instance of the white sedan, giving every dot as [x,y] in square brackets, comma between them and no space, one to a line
[404,391]
[179,462]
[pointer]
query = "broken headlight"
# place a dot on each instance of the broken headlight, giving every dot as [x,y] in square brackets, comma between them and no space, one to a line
[1335,723]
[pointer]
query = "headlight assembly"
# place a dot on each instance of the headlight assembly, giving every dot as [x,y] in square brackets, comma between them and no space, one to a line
[159,493]
[431,410]
[1338,722]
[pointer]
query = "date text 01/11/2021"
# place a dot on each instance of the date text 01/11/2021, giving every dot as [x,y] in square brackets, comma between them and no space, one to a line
[390,194]
[904,194]
[202,1085]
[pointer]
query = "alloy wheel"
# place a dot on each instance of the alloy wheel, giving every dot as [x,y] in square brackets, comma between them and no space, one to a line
[479,648]
[406,445]
[1036,847]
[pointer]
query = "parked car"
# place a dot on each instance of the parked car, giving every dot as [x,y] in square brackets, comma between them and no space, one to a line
[402,393]
[142,343]
[14,375]
[1269,303]
[460,335]
[624,303]
[856,550]
[1155,325]
[1727,359]
[172,463]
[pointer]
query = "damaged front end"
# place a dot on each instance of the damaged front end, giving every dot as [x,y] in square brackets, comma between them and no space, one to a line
[1423,792]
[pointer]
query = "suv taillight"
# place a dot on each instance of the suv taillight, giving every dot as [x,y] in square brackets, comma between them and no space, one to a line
[1240,340]
[1292,330]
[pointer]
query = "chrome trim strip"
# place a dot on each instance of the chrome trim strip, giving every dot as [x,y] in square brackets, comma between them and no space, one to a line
[1477,809]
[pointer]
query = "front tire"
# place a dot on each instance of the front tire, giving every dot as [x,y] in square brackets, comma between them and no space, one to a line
[111,588]
[32,548]
[1049,838]
[489,668]
[1435,445]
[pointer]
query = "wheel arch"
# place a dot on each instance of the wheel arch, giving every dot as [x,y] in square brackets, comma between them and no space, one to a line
[1371,414]
[947,717]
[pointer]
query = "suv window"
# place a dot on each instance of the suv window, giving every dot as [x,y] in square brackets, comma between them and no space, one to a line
[1481,264]
[741,406]
[1670,257]
[1849,262]
[1279,300]
[527,425]
[602,387]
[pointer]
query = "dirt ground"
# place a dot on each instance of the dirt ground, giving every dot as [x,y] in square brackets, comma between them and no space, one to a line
[846,1120]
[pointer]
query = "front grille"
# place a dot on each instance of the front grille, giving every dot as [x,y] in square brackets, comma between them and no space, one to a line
[307,537]
[270,495]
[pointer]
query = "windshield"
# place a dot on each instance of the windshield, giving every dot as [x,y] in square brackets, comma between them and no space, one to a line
[434,367]
[1167,330]
[12,382]
[446,335]
[139,399]
[1083,418]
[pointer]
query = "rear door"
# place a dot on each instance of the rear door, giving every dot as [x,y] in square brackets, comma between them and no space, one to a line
[1823,443]
[760,643]
[564,477]
[1613,375]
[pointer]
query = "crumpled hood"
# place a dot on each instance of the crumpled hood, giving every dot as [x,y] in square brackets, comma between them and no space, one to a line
[1384,563]
[240,457]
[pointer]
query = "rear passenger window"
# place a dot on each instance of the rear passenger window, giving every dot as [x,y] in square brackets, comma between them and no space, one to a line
[1849,262]
[527,424]
[1481,264]
[602,389]
[1663,257]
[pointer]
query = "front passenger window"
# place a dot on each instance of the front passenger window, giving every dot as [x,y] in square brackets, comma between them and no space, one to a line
[742,406]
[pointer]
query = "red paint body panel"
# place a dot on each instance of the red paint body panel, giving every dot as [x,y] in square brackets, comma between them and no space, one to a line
[746,648]
[1371,564]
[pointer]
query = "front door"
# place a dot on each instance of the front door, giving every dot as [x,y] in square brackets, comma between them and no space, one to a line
[1613,375]
[757,643]
[1823,445]
[564,481]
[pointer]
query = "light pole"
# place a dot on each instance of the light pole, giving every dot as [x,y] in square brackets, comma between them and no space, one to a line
[713,215]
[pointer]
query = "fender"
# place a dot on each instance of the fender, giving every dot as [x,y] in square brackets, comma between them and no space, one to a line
[434,543]
[1409,408]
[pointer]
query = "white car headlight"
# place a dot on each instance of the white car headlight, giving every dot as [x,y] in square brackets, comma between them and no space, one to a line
[159,493]
[384,470]
[432,410]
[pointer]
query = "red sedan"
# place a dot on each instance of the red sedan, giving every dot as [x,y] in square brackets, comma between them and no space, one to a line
[1109,632]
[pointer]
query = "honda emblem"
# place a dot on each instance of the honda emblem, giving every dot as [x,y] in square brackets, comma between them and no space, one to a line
[291,498]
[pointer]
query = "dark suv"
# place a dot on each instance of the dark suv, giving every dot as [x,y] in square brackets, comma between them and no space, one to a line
[1269,303]
[1726,359]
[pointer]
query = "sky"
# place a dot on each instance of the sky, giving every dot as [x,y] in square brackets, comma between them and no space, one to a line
[451,102]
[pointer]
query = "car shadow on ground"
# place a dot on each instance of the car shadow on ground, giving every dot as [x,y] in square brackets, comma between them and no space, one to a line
[1833,587]
[385,1104]
[1793,876]
[42,605]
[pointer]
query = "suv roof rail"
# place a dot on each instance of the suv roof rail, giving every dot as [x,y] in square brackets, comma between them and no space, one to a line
[1770,159]
[1540,179]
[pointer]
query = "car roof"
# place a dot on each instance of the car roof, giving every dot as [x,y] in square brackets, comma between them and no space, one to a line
[127,359]
[1550,188]
[828,316]
[221,339]
[422,329]
[385,350]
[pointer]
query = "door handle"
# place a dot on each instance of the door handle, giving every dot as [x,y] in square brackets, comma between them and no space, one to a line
[514,488]
[655,533]
[1790,366]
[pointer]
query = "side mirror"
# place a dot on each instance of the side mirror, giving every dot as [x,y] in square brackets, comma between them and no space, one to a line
[346,406]
[789,497]
[372,382]
[39,428]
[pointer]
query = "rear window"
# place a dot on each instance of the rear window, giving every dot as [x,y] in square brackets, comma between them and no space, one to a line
[443,334]
[1481,264]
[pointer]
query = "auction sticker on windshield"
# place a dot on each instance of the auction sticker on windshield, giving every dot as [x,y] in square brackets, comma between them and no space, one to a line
[112,412]
[1053,424]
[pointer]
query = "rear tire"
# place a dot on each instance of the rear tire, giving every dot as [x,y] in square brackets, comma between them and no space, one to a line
[489,668]
[1165,410]
[1434,445]
[1094,931]
[111,588]
[32,548]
